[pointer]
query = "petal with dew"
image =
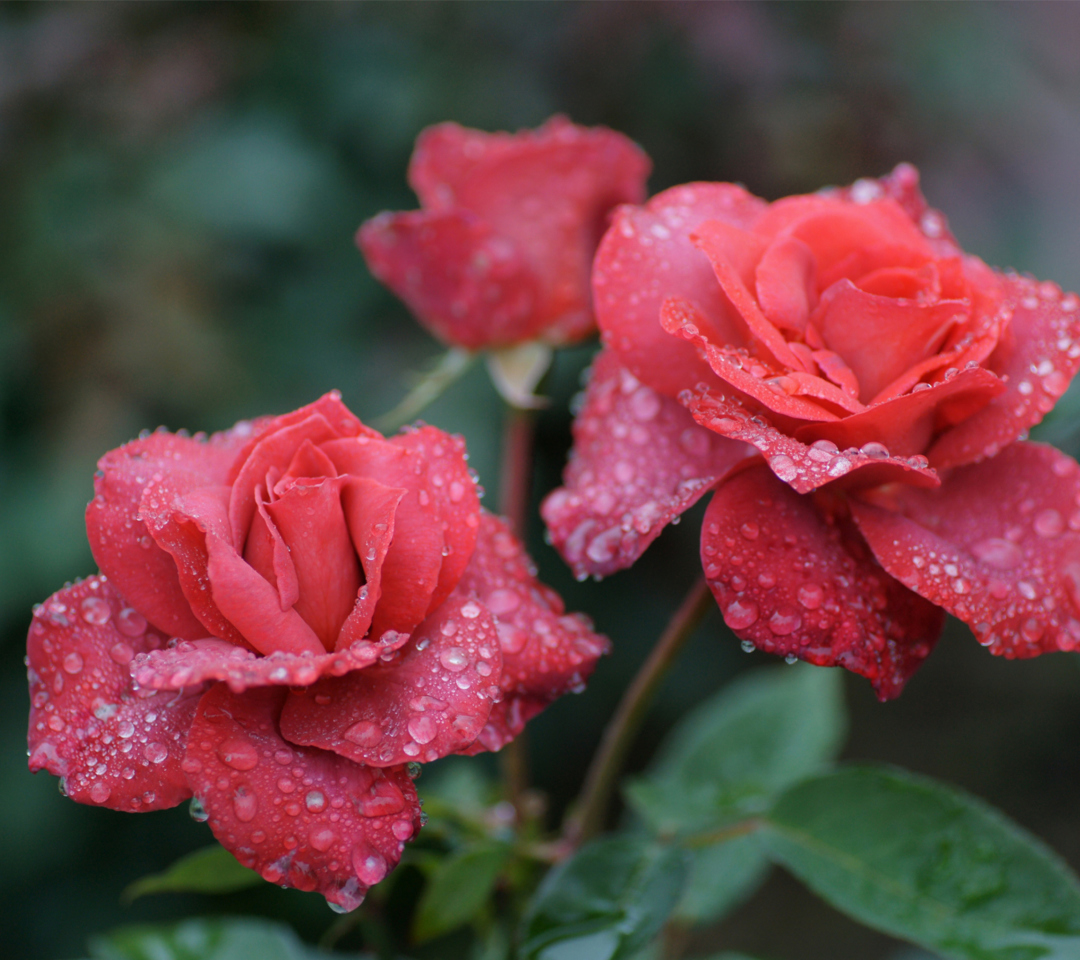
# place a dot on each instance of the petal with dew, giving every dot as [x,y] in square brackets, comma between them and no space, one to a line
[795,584]
[115,746]
[431,699]
[997,545]
[299,816]
[639,461]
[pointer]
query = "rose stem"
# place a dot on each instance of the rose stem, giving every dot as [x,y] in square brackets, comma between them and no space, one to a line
[449,368]
[586,817]
[515,488]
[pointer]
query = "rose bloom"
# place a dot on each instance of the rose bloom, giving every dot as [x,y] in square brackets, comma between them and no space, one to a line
[883,376]
[500,252]
[288,614]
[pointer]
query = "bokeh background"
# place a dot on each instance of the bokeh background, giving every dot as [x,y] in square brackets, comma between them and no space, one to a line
[179,187]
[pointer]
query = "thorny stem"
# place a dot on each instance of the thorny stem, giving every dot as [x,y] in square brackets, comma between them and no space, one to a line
[515,489]
[428,388]
[587,815]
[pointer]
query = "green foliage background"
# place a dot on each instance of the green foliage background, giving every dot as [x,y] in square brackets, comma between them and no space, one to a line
[179,186]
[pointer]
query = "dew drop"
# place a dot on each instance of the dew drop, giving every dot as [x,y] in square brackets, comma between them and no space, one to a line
[245,805]
[422,729]
[100,792]
[370,867]
[740,614]
[749,530]
[784,467]
[402,829]
[784,621]
[73,663]
[1048,523]
[747,646]
[997,553]
[130,622]
[875,450]
[454,658]
[471,610]
[364,733]
[840,466]
[811,595]
[96,611]
[121,653]
[156,752]
[197,811]
[1031,630]
[238,753]
[322,837]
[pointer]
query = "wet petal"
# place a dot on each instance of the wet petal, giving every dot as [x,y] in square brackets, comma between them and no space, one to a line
[785,281]
[300,816]
[1039,353]
[997,546]
[430,700]
[545,651]
[806,467]
[468,285]
[794,584]
[639,460]
[211,659]
[119,540]
[113,746]
[645,258]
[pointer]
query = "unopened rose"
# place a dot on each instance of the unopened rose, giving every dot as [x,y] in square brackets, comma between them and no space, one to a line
[288,613]
[884,377]
[500,252]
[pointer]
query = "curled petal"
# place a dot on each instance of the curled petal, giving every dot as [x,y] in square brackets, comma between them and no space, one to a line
[639,460]
[114,746]
[210,659]
[300,816]
[119,540]
[795,584]
[647,256]
[996,545]
[468,285]
[545,651]
[806,467]
[430,700]
[1038,353]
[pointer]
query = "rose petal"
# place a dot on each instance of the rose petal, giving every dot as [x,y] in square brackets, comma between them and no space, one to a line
[794,584]
[802,467]
[468,285]
[546,191]
[299,816]
[113,747]
[370,508]
[311,520]
[267,554]
[752,377]
[879,337]
[639,460]
[647,256]
[996,545]
[1039,353]
[785,284]
[545,652]
[906,424]
[431,700]
[211,659]
[119,540]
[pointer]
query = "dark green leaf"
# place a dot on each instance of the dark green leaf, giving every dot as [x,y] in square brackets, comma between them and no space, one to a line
[205,939]
[731,755]
[459,889]
[211,870]
[927,863]
[721,877]
[606,902]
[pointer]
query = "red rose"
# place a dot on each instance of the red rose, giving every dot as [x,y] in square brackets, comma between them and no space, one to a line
[501,251]
[876,367]
[338,606]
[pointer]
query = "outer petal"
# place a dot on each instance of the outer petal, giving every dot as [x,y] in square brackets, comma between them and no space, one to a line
[113,746]
[639,460]
[119,540]
[301,817]
[804,467]
[548,192]
[430,701]
[545,652]
[468,285]
[1039,353]
[794,584]
[645,258]
[996,546]
[210,659]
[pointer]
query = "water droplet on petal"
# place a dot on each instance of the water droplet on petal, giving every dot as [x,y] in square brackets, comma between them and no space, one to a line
[245,805]
[238,753]
[784,467]
[364,733]
[749,530]
[370,867]
[73,663]
[454,658]
[130,622]
[740,614]
[811,595]
[96,611]
[784,621]
[156,752]
[402,829]
[875,450]
[121,653]
[422,729]
[997,553]
[197,811]
[840,466]
[100,792]
[1048,523]
[322,838]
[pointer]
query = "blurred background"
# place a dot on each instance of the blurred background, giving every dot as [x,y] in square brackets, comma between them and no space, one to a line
[179,187]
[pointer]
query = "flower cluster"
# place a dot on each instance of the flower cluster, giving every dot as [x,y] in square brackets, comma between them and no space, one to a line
[855,389]
[288,614]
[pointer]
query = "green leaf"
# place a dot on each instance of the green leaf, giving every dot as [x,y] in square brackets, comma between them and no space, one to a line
[606,902]
[721,878]
[731,755]
[926,863]
[205,939]
[210,870]
[459,889]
